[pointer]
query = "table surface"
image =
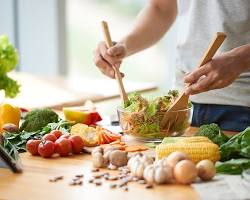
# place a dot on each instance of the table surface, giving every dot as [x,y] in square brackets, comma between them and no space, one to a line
[34,183]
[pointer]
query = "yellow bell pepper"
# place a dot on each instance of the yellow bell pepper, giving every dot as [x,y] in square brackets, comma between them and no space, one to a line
[9,114]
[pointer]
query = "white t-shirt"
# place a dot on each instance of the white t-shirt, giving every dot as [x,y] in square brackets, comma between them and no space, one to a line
[198,22]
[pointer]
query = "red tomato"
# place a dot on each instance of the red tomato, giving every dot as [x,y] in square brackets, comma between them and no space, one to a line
[46,149]
[64,136]
[77,144]
[32,146]
[63,146]
[49,137]
[57,133]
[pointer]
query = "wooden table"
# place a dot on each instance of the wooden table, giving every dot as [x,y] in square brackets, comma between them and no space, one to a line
[34,183]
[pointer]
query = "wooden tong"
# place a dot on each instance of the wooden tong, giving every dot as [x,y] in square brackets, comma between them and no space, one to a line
[181,102]
[118,77]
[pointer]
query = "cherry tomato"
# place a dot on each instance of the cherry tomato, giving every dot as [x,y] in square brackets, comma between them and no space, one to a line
[63,146]
[46,148]
[32,146]
[77,144]
[50,137]
[57,133]
[65,136]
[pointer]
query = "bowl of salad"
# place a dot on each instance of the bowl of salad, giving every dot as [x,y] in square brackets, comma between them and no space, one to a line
[141,117]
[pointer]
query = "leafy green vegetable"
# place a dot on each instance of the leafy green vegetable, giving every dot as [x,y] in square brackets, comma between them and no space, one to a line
[233,166]
[19,140]
[238,146]
[37,119]
[213,132]
[8,61]
[143,117]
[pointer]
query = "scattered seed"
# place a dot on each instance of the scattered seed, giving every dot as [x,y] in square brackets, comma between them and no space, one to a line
[125,188]
[113,185]
[79,176]
[142,182]
[97,176]
[56,178]
[149,186]
[112,178]
[72,183]
[91,180]
[95,170]
[97,183]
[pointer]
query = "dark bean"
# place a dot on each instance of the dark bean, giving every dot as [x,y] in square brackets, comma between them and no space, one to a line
[95,170]
[113,185]
[97,183]
[79,176]
[149,186]
[91,180]
[125,188]
[113,178]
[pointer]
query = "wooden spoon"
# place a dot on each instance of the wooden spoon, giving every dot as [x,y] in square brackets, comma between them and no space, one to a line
[181,102]
[118,77]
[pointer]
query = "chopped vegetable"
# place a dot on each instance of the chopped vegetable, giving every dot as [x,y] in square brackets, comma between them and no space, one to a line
[196,150]
[238,146]
[87,133]
[8,61]
[142,117]
[233,166]
[87,117]
[135,148]
[36,119]
[213,132]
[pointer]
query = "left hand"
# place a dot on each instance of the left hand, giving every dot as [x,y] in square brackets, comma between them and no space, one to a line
[218,73]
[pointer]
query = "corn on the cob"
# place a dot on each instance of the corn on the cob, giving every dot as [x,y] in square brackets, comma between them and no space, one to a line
[195,139]
[196,150]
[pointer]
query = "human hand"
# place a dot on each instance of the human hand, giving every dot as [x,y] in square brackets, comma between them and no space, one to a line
[105,58]
[218,73]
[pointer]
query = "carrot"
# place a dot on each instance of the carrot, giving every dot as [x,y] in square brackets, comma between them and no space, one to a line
[135,148]
[115,142]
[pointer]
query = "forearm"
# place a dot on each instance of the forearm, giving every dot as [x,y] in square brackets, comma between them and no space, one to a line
[242,54]
[151,24]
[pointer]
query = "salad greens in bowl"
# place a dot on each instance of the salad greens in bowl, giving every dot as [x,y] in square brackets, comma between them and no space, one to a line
[141,117]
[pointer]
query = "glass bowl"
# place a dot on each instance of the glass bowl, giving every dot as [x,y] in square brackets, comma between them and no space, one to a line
[149,129]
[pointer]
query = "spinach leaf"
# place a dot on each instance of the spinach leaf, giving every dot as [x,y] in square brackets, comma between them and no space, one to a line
[233,166]
[236,147]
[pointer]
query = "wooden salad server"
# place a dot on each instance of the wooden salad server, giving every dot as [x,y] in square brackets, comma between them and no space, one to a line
[181,103]
[118,77]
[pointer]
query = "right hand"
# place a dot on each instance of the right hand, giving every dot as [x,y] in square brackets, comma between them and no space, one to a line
[105,58]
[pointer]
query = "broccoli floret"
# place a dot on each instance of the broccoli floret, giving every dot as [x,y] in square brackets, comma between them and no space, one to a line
[213,132]
[36,119]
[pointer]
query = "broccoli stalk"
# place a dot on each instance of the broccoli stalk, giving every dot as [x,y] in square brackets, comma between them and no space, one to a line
[213,132]
[36,119]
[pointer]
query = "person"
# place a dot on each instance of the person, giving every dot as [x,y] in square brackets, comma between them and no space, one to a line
[220,89]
